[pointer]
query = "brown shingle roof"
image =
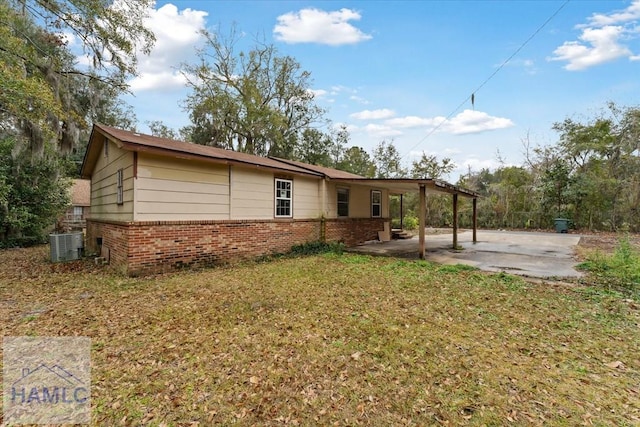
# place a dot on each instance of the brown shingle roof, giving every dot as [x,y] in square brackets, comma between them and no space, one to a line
[135,141]
[328,172]
[81,192]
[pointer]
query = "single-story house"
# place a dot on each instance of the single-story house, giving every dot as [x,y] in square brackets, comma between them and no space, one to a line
[159,204]
[75,216]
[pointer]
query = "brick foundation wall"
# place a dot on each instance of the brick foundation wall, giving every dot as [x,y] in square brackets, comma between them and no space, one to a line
[114,236]
[353,231]
[158,246]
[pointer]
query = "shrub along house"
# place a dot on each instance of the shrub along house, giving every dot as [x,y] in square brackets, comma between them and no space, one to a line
[159,204]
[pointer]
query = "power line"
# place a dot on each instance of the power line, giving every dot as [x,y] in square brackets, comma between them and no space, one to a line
[505,62]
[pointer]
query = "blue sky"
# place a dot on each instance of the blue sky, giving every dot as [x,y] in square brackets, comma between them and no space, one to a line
[397,69]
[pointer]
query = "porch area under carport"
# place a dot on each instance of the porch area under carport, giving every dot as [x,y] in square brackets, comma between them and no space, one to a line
[424,187]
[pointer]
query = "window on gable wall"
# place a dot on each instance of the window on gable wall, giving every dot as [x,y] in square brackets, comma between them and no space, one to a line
[120,188]
[343,202]
[77,213]
[106,146]
[284,197]
[376,204]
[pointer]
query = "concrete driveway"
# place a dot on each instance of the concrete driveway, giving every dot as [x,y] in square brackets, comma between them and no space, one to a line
[541,255]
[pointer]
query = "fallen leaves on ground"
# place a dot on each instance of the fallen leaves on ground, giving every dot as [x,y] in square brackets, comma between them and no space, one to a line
[333,340]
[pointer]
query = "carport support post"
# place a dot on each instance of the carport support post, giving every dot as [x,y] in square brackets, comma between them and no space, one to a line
[455,220]
[421,218]
[475,219]
[401,214]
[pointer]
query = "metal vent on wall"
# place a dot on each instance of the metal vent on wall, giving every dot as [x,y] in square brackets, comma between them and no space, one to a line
[66,247]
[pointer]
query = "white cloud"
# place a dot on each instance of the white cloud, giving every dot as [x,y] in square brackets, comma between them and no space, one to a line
[359,99]
[468,121]
[158,81]
[84,60]
[476,165]
[335,90]
[412,122]
[318,93]
[601,39]
[381,131]
[177,35]
[383,113]
[68,38]
[350,127]
[599,45]
[528,65]
[317,26]
[631,13]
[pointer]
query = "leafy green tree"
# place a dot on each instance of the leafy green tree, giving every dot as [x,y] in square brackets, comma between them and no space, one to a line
[47,100]
[357,160]
[32,193]
[591,176]
[603,154]
[388,161]
[256,102]
[430,167]
[439,208]
[158,128]
[315,147]
[42,86]
[340,142]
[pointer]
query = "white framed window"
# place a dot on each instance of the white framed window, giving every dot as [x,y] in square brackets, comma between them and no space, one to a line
[343,202]
[120,188]
[376,203]
[284,198]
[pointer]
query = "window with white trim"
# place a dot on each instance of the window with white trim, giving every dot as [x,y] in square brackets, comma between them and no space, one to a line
[343,202]
[120,188]
[376,203]
[284,198]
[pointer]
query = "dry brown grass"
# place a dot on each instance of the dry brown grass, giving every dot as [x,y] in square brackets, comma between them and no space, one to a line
[335,340]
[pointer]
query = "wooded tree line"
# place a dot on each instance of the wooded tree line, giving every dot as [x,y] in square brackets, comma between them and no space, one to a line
[590,176]
[257,101]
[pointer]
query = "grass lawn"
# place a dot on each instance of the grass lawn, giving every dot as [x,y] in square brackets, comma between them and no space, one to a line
[335,340]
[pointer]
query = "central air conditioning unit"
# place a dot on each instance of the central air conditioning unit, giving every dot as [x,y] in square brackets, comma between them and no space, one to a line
[66,247]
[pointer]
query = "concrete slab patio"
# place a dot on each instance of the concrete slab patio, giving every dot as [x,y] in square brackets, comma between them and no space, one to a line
[532,254]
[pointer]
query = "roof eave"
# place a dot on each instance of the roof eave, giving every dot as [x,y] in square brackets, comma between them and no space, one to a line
[83,169]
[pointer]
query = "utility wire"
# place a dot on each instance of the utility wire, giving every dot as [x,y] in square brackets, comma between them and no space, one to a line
[505,62]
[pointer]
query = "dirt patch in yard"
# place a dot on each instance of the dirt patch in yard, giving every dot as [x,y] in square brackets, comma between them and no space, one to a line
[604,242]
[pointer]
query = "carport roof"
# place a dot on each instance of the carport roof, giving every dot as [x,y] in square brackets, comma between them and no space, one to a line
[407,185]
[395,185]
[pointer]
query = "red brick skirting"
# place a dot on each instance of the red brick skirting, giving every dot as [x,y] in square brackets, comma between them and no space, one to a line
[352,231]
[156,246]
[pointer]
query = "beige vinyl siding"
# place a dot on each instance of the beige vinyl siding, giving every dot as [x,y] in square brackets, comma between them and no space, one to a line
[385,203]
[170,189]
[252,194]
[104,186]
[307,198]
[359,201]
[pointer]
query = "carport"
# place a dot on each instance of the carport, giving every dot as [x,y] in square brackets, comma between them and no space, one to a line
[401,186]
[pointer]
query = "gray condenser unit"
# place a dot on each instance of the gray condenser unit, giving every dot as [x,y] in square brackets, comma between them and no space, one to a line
[66,247]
